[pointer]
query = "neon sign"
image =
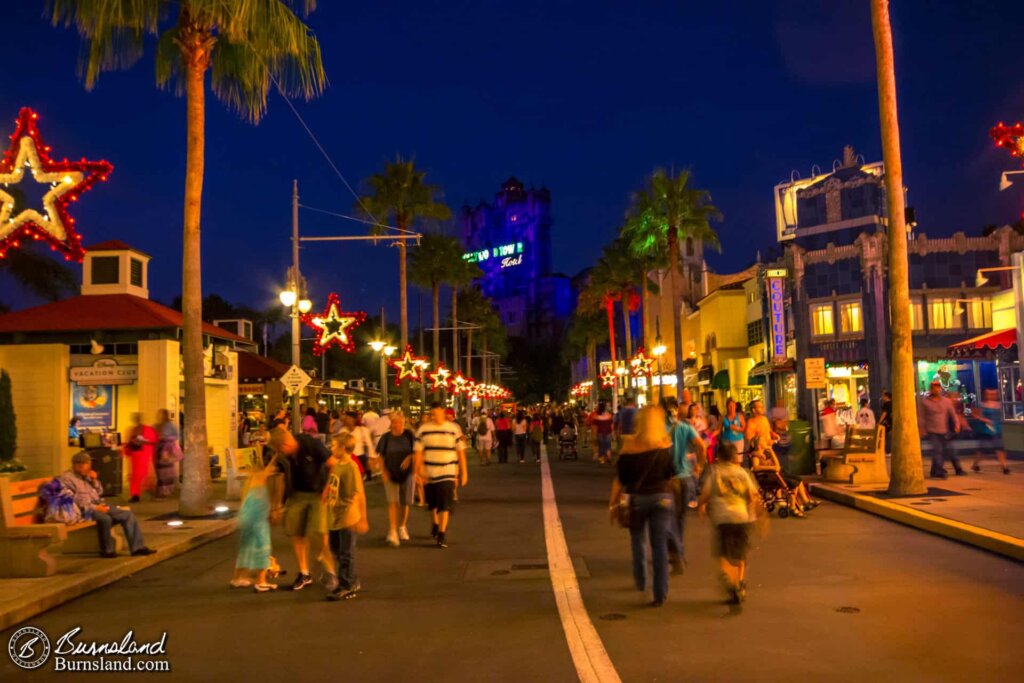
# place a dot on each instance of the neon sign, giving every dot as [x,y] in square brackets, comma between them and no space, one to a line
[777,314]
[510,254]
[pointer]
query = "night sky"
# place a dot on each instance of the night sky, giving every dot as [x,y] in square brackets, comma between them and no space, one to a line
[585,97]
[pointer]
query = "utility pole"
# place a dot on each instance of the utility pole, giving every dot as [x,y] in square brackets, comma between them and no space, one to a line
[296,283]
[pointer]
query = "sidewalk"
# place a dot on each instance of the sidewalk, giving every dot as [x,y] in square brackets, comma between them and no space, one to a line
[981,509]
[22,599]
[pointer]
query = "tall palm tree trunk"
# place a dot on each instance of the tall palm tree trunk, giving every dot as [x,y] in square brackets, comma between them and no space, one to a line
[455,327]
[469,352]
[592,367]
[677,330]
[907,472]
[195,491]
[435,293]
[644,300]
[625,320]
[609,306]
[403,299]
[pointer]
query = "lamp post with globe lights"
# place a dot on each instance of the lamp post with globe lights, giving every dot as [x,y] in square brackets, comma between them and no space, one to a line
[658,351]
[295,298]
[386,351]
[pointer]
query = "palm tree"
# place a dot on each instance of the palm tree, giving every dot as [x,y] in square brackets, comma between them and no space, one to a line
[621,272]
[907,473]
[477,310]
[399,194]
[460,275]
[430,265]
[246,47]
[586,331]
[38,274]
[661,217]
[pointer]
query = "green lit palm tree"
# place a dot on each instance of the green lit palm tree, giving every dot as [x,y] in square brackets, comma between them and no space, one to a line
[661,217]
[399,194]
[246,46]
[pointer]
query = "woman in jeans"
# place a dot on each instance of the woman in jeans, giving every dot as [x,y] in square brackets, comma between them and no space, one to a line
[521,430]
[601,422]
[644,481]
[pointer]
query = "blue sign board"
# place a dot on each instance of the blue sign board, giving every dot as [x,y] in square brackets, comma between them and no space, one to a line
[777,317]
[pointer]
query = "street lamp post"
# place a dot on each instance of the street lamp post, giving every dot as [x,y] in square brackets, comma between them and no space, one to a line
[386,351]
[294,297]
[659,351]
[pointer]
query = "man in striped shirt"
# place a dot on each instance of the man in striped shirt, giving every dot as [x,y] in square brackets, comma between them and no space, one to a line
[440,461]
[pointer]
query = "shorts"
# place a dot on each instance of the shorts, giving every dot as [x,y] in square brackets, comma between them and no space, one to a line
[990,444]
[440,495]
[484,443]
[304,515]
[732,541]
[401,494]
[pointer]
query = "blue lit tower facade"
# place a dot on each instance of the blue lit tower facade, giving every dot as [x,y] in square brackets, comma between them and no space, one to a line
[510,240]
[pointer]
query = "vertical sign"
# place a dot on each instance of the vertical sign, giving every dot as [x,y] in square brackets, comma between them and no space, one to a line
[776,279]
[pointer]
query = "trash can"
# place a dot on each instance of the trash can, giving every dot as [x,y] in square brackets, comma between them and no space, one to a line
[800,458]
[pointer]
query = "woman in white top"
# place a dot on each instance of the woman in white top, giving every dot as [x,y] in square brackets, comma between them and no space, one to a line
[485,436]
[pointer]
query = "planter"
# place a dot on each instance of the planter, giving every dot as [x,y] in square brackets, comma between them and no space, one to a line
[13,476]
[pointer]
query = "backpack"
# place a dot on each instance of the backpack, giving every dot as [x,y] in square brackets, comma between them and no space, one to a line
[482,428]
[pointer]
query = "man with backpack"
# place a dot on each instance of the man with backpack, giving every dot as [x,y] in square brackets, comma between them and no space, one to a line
[484,437]
[397,447]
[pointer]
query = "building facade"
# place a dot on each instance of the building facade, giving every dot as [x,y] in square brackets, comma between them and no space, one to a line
[510,239]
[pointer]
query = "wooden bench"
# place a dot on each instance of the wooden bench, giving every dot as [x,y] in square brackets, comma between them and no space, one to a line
[860,461]
[26,541]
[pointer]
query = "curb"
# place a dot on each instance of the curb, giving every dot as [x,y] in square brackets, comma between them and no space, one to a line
[120,569]
[992,541]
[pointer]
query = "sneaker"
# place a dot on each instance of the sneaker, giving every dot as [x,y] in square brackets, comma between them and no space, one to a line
[442,541]
[403,533]
[240,583]
[264,587]
[143,551]
[301,581]
[108,556]
[433,531]
[961,473]
[976,468]
[1006,470]
[678,566]
[392,539]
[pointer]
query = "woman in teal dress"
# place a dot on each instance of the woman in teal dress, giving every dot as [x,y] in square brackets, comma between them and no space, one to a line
[254,535]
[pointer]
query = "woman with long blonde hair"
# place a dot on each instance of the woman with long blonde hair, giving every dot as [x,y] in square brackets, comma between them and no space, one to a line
[642,498]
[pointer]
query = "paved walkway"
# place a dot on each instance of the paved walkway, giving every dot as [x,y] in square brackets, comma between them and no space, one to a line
[984,506]
[77,575]
[839,596]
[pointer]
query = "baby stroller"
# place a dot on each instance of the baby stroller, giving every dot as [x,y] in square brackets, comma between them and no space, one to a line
[774,492]
[567,444]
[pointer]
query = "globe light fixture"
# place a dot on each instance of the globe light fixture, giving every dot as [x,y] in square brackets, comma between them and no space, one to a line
[377,346]
[305,305]
[390,350]
[288,298]
[659,350]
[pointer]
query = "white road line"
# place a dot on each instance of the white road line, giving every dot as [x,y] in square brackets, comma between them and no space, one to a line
[588,654]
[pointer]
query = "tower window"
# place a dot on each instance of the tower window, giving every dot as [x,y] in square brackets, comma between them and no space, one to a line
[105,270]
[136,273]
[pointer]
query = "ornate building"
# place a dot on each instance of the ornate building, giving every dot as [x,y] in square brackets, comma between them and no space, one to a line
[510,240]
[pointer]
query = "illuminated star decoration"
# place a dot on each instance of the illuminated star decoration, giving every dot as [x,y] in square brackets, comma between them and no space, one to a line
[439,378]
[608,378]
[1010,137]
[335,327]
[65,179]
[408,366]
[460,383]
[641,364]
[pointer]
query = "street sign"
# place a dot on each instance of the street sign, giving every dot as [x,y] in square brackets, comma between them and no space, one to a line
[295,380]
[814,373]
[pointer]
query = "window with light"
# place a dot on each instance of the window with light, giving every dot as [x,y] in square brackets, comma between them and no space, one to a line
[822,324]
[851,319]
[916,315]
[979,313]
[943,314]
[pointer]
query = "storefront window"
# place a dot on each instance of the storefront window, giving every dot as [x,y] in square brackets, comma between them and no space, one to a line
[847,384]
[821,320]
[1011,391]
[850,319]
[943,314]
[979,314]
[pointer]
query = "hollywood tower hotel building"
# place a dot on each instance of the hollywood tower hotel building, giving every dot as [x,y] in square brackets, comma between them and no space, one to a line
[832,227]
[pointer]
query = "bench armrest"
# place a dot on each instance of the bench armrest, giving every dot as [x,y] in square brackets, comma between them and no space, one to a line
[58,532]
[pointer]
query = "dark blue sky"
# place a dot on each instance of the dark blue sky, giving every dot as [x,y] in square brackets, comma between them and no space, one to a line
[586,97]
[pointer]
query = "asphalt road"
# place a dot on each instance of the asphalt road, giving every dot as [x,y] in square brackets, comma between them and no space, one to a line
[840,596]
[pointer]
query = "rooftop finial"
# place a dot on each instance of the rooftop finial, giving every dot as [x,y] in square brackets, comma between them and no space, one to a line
[849,157]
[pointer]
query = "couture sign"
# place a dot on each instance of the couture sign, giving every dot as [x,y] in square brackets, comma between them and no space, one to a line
[777,314]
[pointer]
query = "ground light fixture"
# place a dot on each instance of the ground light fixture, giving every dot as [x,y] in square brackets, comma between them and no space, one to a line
[221,509]
[175,522]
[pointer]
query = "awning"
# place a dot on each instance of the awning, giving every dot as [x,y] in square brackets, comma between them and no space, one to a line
[985,345]
[721,380]
[756,380]
[759,370]
[705,374]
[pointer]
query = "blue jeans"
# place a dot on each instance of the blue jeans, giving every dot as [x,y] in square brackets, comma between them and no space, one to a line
[126,518]
[343,546]
[941,449]
[657,513]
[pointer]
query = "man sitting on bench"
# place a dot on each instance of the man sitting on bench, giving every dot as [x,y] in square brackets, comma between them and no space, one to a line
[83,483]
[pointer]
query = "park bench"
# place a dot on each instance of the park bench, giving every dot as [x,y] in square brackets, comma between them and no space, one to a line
[26,541]
[861,459]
